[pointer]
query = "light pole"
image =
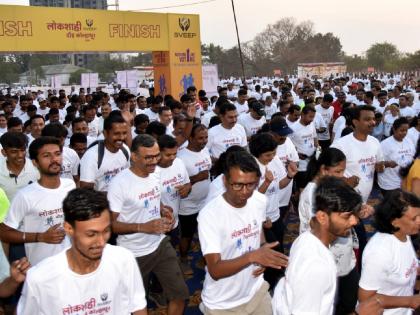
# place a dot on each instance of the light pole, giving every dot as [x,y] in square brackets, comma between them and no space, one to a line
[239,42]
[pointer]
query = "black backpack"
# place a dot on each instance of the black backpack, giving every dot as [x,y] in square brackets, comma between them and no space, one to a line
[101,151]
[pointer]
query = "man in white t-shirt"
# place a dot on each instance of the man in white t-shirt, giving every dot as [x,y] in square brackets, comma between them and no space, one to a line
[241,103]
[326,110]
[405,110]
[89,113]
[363,157]
[226,134]
[287,153]
[293,115]
[90,276]
[252,121]
[232,241]
[153,111]
[141,221]
[16,171]
[174,178]
[97,166]
[35,216]
[36,124]
[310,282]
[71,161]
[305,139]
[197,160]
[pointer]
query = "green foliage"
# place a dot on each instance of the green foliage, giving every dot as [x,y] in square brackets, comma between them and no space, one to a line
[383,56]
[9,70]
[75,77]
[281,45]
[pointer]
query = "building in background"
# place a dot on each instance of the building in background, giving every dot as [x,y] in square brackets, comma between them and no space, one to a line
[81,60]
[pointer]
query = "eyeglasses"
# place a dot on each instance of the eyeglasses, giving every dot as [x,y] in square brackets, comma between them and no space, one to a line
[150,158]
[240,186]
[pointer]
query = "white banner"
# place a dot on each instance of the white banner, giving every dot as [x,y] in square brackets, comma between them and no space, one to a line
[122,79]
[133,78]
[210,79]
[56,81]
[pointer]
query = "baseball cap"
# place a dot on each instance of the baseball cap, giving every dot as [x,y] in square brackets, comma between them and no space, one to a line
[258,108]
[280,127]
[41,98]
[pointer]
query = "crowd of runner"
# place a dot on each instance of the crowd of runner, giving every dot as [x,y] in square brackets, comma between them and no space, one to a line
[86,169]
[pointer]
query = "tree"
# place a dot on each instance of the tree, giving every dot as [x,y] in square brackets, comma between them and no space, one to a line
[355,63]
[9,70]
[383,56]
[75,77]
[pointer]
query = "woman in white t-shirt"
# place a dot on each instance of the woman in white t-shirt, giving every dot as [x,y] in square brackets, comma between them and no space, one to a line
[274,178]
[332,162]
[398,152]
[389,263]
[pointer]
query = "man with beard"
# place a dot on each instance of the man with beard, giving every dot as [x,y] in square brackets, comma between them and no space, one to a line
[35,216]
[141,221]
[105,159]
[363,157]
[309,285]
[90,276]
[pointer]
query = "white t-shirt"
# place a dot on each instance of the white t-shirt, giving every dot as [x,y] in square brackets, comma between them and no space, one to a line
[94,128]
[413,136]
[306,207]
[220,139]
[400,152]
[250,124]
[11,185]
[139,204]
[339,125]
[388,122]
[327,115]
[361,157]
[216,188]
[231,232]
[205,120]
[112,164]
[319,121]
[273,190]
[310,282]
[171,177]
[70,165]
[270,111]
[286,152]
[407,112]
[36,209]
[114,288]
[241,108]
[152,115]
[303,138]
[195,162]
[291,123]
[389,267]
[342,248]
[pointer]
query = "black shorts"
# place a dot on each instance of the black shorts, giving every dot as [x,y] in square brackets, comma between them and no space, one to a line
[163,262]
[188,225]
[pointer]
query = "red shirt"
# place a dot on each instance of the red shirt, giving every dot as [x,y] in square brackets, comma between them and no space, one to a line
[337,109]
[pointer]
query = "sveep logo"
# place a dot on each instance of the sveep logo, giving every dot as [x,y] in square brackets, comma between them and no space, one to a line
[184,24]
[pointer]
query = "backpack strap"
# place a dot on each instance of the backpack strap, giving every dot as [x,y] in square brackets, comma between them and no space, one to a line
[124,150]
[101,152]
